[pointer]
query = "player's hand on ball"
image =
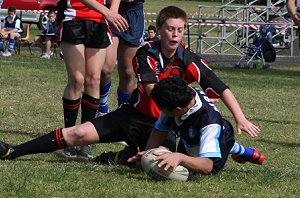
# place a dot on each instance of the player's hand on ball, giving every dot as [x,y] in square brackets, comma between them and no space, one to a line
[169,160]
[153,157]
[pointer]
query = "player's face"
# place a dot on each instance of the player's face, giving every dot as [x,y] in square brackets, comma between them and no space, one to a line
[11,15]
[171,34]
[52,17]
[151,33]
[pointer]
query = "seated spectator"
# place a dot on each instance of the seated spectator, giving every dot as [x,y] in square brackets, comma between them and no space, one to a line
[152,34]
[11,28]
[44,40]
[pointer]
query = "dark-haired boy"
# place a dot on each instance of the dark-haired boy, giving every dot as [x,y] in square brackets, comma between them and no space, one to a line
[206,139]
[11,28]
[152,36]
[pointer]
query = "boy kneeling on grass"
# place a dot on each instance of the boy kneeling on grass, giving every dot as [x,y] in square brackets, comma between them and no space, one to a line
[206,139]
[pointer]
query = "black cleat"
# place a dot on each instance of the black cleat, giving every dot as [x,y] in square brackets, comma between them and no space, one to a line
[5,151]
[119,157]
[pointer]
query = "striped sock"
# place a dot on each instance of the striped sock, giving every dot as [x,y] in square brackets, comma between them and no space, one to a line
[11,45]
[123,97]
[237,149]
[44,144]
[89,107]
[70,111]
[104,91]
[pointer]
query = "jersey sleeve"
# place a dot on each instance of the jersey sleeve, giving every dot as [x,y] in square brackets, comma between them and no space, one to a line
[144,66]
[163,123]
[198,70]
[18,25]
[209,141]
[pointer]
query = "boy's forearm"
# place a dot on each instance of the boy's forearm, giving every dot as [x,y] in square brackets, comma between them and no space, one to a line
[197,164]
[232,104]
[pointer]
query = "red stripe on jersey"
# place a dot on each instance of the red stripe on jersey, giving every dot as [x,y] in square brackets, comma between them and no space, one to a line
[192,73]
[146,104]
[205,63]
[78,11]
[211,93]
[151,62]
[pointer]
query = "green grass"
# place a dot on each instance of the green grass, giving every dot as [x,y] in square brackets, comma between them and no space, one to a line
[31,105]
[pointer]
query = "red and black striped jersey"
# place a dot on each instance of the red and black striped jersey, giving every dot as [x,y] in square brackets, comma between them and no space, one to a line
[75,10]
[150,66]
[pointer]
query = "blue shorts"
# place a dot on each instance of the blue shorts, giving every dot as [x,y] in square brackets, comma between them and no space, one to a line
[133,36]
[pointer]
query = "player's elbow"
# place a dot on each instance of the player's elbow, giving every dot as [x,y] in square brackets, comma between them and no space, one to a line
[207,167]
[206,170]
[204,166]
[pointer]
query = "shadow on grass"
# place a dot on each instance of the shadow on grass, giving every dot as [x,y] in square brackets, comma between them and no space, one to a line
[276,121]
[26,133]
[283,144]
[276,72]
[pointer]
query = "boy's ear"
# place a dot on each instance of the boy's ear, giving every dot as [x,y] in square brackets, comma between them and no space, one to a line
[158,30]
[178,109]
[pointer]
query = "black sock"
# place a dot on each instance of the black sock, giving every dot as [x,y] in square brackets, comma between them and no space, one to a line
[44,144]
[70,111]
[89,107]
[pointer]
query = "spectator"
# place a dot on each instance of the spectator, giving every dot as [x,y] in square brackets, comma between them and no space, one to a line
[48,36]
[152,36]
[11,28]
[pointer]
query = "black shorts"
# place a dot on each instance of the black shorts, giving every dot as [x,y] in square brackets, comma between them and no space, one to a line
[129,125]
[89,33]
[53,38]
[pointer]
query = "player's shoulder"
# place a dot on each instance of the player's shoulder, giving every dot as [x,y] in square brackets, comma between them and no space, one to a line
[150,48]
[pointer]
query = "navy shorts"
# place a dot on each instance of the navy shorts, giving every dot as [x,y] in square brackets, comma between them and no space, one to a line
[226,141]
[89,33]
[53,38]
[133,36]
[129,125]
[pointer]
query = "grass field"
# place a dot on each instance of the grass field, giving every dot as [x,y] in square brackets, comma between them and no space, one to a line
[30,106]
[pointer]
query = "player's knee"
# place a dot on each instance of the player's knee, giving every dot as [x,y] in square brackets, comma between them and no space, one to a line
[107,72]
[92,80]
[80,133]
[76,81]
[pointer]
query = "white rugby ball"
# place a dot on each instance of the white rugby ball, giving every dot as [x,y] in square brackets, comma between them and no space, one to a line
[150,166]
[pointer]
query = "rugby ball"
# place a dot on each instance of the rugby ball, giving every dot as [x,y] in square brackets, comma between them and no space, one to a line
[150,166]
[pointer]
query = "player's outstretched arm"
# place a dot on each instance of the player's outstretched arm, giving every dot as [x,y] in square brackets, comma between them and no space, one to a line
[241,121]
